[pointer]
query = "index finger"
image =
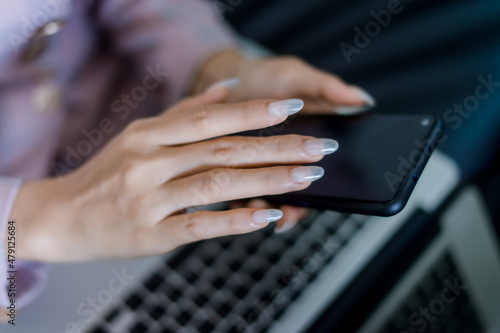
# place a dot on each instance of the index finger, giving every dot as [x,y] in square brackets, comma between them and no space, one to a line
[214,120]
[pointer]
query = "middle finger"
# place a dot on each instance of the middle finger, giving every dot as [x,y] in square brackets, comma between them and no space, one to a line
[247,152]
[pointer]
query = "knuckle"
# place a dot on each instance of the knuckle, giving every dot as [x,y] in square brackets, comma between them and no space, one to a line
[233,224]
[250,150]
[194,227]
[131,171]
[246,110]
[214,183]
[291,60]
[200,119]
[223,151]
[337,78]
[133,134]
[269,177]
[287,81]
[134,128]
[282,145]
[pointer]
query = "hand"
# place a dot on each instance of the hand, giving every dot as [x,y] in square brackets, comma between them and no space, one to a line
[281,78]
[127,200]
[292,215]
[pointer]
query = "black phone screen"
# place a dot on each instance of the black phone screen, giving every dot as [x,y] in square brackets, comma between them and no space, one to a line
[375,156]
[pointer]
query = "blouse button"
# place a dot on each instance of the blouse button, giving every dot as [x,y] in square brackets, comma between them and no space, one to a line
[39,42]
[47,98]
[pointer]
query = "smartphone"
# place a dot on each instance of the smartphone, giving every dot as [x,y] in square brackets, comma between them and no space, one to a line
[374,171]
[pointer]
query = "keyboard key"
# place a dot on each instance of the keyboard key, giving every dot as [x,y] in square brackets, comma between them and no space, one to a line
[223,310]
[257,275]
[183,318]
[157,312]
[139,328]
[219,282]
[235,265]
[192,277]
[134,301]
[153,282]
[201,300]
[112,315]
[207,327]
[174,295]
[167,330]
[240,292]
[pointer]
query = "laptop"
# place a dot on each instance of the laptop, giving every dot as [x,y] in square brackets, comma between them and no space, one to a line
[453,286]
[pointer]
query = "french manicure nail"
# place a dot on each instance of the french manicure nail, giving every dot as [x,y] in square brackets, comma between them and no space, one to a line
[317,147]
[364,95]
[307,174]
[355,109]
[285,227]
[266,216]
[285,108]
[230,84]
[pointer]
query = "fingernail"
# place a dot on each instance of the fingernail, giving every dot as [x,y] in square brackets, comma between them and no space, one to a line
[266,216]
[285,108]
[365,96]
[318,147]
[351,110]
[307,174]
[230,84]
[285,227]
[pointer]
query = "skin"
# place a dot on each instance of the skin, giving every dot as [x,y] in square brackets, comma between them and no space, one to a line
[281,78]
[129,199]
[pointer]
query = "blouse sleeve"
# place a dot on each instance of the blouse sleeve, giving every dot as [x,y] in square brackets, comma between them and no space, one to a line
[21,280]
[171,36]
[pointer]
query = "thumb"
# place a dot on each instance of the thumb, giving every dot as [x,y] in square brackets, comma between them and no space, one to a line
[216,93]
[211,96]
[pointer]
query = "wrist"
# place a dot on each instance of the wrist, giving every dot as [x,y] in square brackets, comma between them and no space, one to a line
[36,215]
[221,65]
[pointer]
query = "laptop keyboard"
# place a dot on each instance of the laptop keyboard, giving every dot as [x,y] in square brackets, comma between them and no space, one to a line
[233,284]
[438,304]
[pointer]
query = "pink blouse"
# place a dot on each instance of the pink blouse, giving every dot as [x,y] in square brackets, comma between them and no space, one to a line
[73,74]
